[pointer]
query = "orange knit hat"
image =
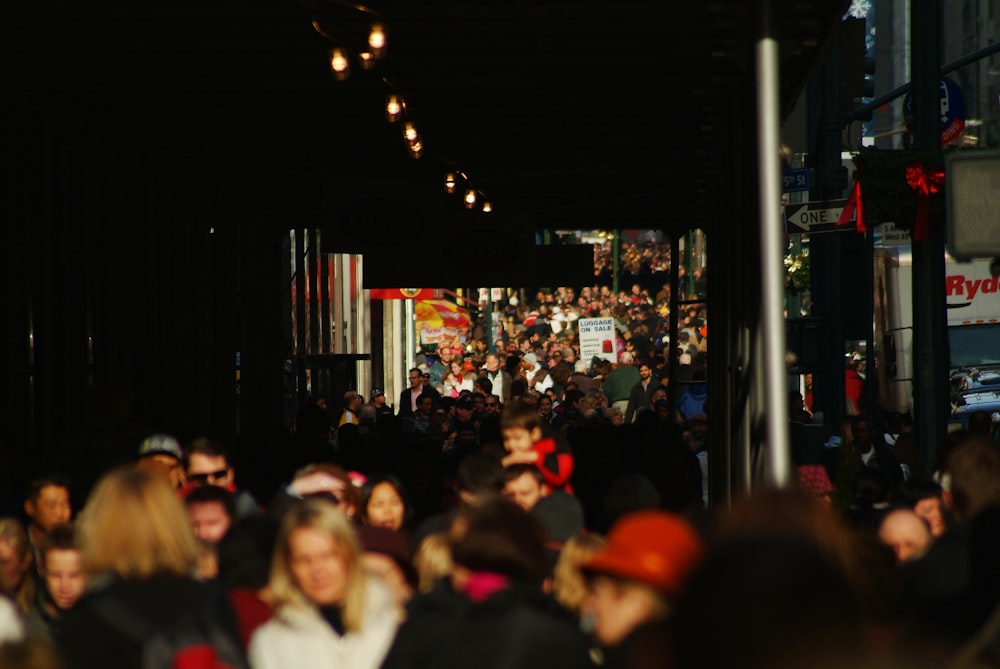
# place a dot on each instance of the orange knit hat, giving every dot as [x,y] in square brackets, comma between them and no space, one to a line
[653,547]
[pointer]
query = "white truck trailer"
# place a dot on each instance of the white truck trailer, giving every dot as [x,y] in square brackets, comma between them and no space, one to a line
[973,296]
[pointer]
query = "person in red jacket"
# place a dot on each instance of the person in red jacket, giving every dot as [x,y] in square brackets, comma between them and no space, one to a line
[525,442]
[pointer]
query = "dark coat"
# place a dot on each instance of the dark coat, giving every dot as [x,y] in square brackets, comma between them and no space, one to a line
[638,398]
[86,640]
[406,400]
[516,627]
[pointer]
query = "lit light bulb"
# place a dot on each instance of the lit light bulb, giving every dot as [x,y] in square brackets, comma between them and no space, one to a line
[470,199]
[376,39]
[339,63]
[410,131]
[487,206]
[394,107]
[416,148]
[449,182]
[367,59]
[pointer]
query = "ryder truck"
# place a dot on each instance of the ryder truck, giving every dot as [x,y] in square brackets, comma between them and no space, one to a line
[973,296]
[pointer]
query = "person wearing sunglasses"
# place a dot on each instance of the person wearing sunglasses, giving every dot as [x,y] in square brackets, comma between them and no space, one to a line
[208,464]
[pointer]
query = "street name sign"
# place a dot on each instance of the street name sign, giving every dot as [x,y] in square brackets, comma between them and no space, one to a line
[813,217]
[797,180]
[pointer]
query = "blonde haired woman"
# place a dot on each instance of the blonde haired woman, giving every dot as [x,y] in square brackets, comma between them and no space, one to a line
[139,550]
[569,587]
[329,612]
[433,560]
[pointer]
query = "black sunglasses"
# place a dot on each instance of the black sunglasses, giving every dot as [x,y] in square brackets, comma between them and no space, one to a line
[204,478]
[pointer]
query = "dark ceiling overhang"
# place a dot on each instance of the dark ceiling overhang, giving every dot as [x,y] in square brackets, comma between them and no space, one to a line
[584,114]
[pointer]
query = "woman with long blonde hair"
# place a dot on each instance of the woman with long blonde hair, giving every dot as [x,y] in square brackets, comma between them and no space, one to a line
[329,612]
[139,551]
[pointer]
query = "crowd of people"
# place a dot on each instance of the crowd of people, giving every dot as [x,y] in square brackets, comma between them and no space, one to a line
[514,507]
[501,528]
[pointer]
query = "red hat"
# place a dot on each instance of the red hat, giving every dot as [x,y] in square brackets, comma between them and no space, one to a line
[653,547]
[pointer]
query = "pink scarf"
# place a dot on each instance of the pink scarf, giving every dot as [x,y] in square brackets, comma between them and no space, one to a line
[482,584]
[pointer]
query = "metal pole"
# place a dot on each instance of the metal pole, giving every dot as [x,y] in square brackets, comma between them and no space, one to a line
[864,110]
[930,338]
[772,363]
[489,320]
[410,354]
[615,255]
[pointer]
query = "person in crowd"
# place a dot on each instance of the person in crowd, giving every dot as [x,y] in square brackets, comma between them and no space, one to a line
[614,416]
[524,485]
[377,400]
[477,476]
[639,395]
[950,591]
[438,370]
[571,410]
[785,605]
[325,480]
[493,612]
[525,443]
[560,515]
[492,407]
[499,378]
[905,533]
[456,379]
[16,559]
[17,652]
[569,586]
[634,580]
[164,450]
[408,398]
[63,582]
[139,552]
[866,453]
[386,556]
[545,409]
[618,384]
[244,557]
[208,464]
[352,408]
[924,497]
[463,426]
[432,560]
[212,511]
[47,505]
[694,400]
[384,503]
[814,481]
[797,412]
[328,611]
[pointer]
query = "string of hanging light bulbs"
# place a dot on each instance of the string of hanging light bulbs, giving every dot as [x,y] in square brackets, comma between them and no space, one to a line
[368,57]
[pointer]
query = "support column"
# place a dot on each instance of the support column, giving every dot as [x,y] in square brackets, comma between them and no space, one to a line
[930,335]
[771,252]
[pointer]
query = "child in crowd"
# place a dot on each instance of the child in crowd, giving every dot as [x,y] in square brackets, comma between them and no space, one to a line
[525,442]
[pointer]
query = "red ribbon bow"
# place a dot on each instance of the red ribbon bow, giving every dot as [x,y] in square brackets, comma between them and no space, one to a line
[926,184]
[853,208]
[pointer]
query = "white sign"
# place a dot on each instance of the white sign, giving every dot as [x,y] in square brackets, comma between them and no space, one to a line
[597,339]
[495,294]
[812,217]
[890,235]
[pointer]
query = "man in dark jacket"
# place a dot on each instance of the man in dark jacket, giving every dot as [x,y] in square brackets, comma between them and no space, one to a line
[408,398]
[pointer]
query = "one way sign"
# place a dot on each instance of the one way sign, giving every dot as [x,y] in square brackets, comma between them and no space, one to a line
[813,217]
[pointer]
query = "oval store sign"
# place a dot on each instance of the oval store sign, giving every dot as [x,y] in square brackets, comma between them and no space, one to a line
[482,250]
[382,222]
